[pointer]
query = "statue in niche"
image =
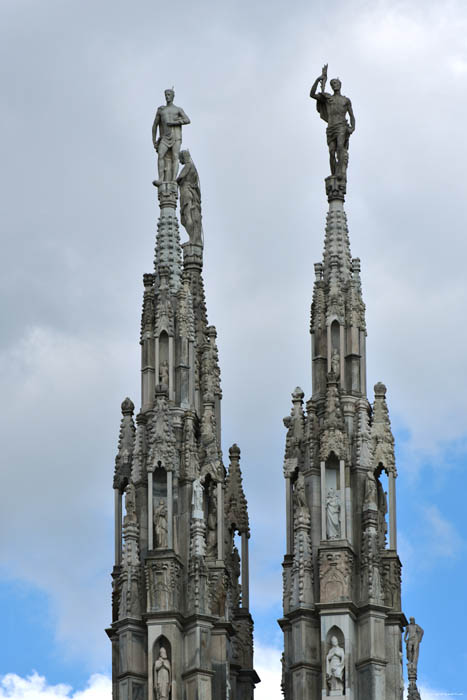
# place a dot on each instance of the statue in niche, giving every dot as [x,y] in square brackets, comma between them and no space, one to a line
[334,109]
[190,199]
[299,495]
[134,598]
[164,374]
[235,572]
[335,666]
[212,524]
[336,363]
[333,508]
[160,525]
[382,512]
[162,676]
[197,497]
[412,637]
[370,489]
[169,120]
[130,500]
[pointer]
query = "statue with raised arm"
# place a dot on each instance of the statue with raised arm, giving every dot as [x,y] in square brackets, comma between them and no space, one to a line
[190,199]
[162,676]
[169,121]
[412,638]
[334,110]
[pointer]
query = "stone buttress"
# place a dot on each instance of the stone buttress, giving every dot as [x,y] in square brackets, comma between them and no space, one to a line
[181,627]
[342,618]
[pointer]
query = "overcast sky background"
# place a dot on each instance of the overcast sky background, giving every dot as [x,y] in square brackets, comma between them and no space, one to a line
[80,84]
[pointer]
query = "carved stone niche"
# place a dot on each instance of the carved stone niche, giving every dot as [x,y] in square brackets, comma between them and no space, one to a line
[335,663]
[335,574]
[162,668]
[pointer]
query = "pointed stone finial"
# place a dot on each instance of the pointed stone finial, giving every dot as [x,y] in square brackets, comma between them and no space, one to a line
[380,390]
[148,280]
[234,452]
[236,509]
[128,407]
[298,394]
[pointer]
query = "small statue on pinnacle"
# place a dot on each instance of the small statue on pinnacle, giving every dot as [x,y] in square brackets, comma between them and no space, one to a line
[334,109]
[169,119]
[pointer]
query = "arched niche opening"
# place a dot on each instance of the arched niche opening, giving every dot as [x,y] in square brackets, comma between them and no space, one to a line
[335,337]
[335,661]
[160,482]
[382,490]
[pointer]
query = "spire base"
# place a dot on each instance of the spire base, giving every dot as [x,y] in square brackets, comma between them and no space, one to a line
[167,193]
[192,256]
[336,188]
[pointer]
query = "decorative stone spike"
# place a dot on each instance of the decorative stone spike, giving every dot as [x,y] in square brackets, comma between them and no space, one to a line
[236,509]
[125,444]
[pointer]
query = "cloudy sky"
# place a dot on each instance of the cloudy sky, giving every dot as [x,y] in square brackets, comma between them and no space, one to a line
[80,84]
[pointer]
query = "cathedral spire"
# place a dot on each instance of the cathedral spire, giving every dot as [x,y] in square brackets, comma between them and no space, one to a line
[341,579]
[181,626]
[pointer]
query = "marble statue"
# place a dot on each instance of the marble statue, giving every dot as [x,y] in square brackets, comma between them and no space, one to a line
[299,495]
[212,525]
[412,637]
[160,525]
[370,489]
[162,676]
[336,363]
[197,497]
[335,666]
[164,373]
[130,500]
[190,199]
[169,120]
[334,109]
[333,507]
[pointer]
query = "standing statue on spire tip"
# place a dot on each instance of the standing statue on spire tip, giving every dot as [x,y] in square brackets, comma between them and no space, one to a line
[169,119]
[334,109]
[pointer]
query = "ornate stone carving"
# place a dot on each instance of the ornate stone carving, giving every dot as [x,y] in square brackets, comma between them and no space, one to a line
[186,319]
[129,600]
[148,313]
[333,437]
[391,580]
[161,439]
[140,450]
[209,453]
[190,459]
[218,593]
[167,137]
[163,584]
[335,573]
[164,309]
[242,642]
[301,579]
